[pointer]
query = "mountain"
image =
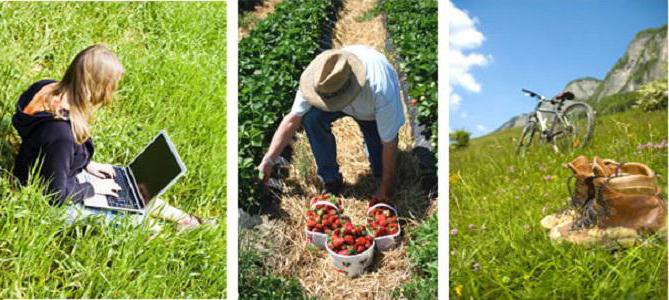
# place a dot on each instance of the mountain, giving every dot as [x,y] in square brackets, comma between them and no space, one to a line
[583,88]
[645,60]
[516,121]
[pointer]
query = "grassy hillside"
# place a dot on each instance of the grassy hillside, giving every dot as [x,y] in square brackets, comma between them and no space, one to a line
[499,250]
[174,55]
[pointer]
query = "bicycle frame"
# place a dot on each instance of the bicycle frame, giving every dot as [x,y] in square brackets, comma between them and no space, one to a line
[553,120]
[542,116]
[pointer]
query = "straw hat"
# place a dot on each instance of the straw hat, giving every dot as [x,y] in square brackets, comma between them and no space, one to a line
[332,80]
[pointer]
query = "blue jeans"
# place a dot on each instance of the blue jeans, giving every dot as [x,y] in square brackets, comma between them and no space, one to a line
[318,126]
[76,212]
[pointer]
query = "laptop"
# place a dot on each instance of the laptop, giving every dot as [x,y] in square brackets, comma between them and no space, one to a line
[150,174]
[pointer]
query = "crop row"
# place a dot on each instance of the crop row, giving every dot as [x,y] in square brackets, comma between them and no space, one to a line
[412,26]
[271,60]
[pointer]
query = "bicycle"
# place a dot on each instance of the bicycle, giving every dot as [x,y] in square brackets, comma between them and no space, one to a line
[562,122]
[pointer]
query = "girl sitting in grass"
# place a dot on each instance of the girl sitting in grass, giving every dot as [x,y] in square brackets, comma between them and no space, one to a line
[52,118]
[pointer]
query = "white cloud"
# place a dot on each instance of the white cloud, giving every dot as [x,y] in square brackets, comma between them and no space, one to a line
[463,115]
[464,38]
[481,128]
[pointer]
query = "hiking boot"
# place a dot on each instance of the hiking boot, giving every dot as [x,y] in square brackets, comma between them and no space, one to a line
[611,194]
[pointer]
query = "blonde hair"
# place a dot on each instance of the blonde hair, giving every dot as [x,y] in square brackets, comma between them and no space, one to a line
[89,83]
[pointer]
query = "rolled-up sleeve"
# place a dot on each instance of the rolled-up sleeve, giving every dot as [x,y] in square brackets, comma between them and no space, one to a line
[389,111]
[300,105]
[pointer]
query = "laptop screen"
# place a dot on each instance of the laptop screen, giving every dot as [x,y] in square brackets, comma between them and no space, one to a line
[155,168]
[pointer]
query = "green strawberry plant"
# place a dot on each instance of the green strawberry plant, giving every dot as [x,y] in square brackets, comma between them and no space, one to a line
[271,59]
[412,26]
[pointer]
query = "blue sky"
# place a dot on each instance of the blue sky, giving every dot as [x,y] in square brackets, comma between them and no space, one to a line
[502,46]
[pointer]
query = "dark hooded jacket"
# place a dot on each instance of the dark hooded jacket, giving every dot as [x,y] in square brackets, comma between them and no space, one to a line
[50,141]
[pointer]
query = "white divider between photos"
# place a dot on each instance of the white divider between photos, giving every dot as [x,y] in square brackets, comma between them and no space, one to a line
[232,154]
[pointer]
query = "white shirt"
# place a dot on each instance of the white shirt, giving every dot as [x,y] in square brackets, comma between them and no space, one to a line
[379,99]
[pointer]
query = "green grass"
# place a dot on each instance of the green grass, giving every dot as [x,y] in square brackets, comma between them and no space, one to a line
[422,251]
[174,55]
[511,256]
[615,103]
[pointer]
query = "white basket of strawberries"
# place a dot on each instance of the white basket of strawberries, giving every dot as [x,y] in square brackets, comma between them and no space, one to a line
[384,225]
[323,216]
[351,249]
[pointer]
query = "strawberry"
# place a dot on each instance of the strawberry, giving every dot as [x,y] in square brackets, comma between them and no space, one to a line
[337,242]
[361,249]
[348,228]
[349,239]
[361,241]
[383,221]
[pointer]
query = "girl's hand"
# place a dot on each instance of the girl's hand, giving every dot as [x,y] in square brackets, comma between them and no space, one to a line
[105,187]
[99,170]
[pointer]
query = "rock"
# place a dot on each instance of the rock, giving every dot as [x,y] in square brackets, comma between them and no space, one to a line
[644,61]
[517,121]
[583,88]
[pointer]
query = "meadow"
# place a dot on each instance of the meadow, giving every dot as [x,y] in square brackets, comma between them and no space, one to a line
[498,250]
[174,56]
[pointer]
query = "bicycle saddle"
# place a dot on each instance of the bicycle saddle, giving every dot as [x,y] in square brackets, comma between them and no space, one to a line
[566,95]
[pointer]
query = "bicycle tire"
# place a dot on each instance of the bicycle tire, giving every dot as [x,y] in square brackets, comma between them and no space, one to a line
[579,140]
[526,136]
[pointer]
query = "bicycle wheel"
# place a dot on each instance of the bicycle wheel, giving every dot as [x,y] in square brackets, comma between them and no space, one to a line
[575,127]
[526,136]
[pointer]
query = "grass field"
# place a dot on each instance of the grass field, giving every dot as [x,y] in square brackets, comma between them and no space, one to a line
[498,250]
[174,56]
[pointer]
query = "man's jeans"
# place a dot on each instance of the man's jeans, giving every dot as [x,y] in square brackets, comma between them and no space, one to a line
[318,126]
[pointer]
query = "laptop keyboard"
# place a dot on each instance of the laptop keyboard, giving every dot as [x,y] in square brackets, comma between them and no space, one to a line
[124,199]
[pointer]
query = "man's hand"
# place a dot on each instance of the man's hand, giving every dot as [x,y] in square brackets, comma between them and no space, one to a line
[379,197]
[265,168]
[99,170]
[281,138]
[389,157]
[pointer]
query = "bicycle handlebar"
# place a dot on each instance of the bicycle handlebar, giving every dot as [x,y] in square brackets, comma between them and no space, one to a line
[534,95]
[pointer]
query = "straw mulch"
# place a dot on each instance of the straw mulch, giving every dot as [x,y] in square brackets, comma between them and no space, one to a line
[283,234]
[259,13]
[348,31]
